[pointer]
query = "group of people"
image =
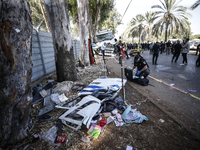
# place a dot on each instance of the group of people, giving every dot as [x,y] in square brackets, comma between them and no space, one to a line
[176,48]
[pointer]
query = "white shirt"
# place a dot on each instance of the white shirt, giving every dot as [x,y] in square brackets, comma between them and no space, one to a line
[103,47]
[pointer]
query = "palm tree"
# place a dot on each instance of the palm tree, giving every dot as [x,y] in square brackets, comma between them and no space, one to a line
[137,26]
[171,17]
[149,18]
[195,5]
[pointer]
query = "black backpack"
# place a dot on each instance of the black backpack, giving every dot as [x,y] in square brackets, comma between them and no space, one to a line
[129,76]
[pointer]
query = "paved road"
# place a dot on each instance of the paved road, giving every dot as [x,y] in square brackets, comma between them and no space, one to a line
[182,106]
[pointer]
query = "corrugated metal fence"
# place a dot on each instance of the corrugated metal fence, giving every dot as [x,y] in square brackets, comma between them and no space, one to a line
[43,54]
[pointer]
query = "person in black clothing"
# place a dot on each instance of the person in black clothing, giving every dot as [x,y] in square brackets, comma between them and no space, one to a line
[155,53]
[162,47]
[142,66]
[177,50]
[168,47]
[172,48]
[198,49]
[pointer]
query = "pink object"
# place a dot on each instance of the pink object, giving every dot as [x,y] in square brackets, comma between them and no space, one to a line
[119,117]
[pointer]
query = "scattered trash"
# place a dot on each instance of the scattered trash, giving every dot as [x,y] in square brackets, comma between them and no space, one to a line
[129,148]
[107,114]
[63,87]
[117,123]
[171,84]
[50,136]
[43,93]
[59,125]
[87,112]
[161,120]
[102,122]
[60,139]
[50,81]
[62,98]
[55,99]
[131,115]
[85,139]
[156,99]
[17,30]
[48,105]
[119,117]
[192,91]
[94,131]
[133,93]
[115,111]
[109,120]
[119,101]
[94,121]
[157,70]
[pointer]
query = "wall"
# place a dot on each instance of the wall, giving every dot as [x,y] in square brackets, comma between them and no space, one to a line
[43,54]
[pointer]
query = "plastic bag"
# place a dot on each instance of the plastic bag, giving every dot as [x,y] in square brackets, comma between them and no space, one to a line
[50,136]
[132,115]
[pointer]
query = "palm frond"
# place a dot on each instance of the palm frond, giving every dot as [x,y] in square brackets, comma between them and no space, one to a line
[195,5]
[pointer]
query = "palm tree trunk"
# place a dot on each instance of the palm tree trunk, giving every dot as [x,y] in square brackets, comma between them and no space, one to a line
[166,32]
[45,18]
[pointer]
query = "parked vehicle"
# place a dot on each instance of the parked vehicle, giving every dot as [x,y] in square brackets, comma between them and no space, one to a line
[194,43]
[105,36]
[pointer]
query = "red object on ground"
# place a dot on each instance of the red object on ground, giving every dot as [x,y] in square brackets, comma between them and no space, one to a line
[60,139]
[102,122]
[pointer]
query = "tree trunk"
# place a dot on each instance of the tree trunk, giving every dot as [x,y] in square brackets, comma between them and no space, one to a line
[96,19]
[166,32]
[57,13]
[83,30]
[45,18]
[15,70]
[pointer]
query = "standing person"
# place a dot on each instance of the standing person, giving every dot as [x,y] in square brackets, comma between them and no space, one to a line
[185,51]
[126,50]
[148,45]
[103,47]
[177,51]
[162,47]
[151,47]
[198,49]
[139,48]
[120,45]
[168,47]
[172,48]
[155,53]
[142,66]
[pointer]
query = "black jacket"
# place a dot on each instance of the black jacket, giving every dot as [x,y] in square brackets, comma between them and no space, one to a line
[155,48]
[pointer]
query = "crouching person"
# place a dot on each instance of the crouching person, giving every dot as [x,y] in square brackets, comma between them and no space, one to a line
[142,66]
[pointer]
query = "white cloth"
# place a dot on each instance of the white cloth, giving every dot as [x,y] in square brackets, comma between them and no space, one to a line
[103,47]
[186,47]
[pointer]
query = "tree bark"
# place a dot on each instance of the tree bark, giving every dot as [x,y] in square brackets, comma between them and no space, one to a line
[15,70]
[83,30]
[57,13]
[45,18]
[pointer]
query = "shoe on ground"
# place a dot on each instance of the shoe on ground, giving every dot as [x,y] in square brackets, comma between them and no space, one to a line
[45,117]
[181,64]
